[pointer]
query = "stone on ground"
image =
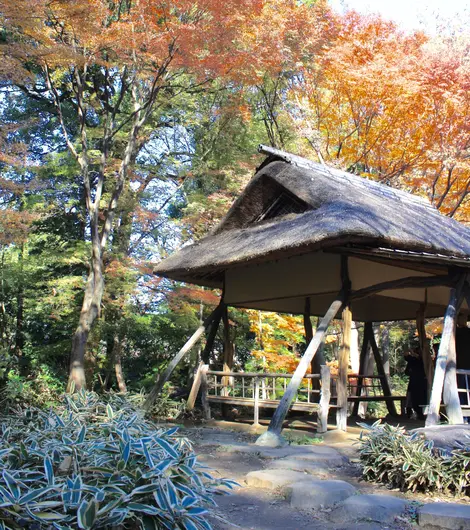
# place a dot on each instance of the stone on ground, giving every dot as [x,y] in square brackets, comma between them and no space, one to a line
[364,526]
[446,436]
[313,453]
[273,479]
[271,439]
[377,508]
[325,455]
[316,494]
[448,516]
[298,464]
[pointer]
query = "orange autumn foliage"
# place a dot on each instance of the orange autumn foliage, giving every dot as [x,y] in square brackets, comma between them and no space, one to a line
[280,339]
[392,107]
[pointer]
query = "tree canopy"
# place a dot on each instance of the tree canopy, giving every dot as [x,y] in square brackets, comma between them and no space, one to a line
[130,127]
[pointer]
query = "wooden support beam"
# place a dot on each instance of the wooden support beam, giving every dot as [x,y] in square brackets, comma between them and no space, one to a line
[159,384]
[446,349]
[342,381]
[402,283]
[319,359]
[325,396]
[213,328]
[194,389]
[280,414]
[362,368]
[381,370]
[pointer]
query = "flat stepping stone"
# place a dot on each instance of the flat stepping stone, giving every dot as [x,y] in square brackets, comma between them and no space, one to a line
[315,453]
[376,508]
[299,464]
[364,526]
[328,459]
[273,479]
[448,516]
[316,494]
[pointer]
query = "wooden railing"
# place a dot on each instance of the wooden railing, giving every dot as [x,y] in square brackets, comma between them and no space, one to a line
[269,386]
[317,394]
[463,388]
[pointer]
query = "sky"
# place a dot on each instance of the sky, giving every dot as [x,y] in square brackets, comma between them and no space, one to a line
[411,14]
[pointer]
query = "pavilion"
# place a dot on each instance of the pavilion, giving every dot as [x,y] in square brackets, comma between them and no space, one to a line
[305,237]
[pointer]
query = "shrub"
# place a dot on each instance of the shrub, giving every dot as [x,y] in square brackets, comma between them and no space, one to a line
[165,408]
[40,389]
[97,465]
[409,462]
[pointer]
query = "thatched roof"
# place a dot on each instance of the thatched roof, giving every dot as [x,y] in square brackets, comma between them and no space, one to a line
[331,209]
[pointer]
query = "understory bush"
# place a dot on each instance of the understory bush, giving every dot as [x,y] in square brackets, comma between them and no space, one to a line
[98,465]
[407,461]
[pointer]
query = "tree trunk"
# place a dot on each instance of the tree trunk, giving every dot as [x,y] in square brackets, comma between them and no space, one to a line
[117,350]
[19,336]
[3,312]
[90,311]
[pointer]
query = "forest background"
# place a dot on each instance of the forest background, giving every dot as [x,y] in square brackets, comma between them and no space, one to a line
[128,129]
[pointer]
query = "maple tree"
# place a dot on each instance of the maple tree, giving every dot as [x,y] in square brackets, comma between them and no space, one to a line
[390,106]
[146,118]
[103,68]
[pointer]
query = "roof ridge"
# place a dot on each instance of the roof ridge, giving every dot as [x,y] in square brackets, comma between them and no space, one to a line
[363,182]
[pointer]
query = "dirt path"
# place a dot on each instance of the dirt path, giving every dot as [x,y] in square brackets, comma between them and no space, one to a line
[251,508]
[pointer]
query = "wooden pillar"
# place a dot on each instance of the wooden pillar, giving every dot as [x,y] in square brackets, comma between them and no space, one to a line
[206,353]
[381,370]
[279,416]
[204,393]
[362,368]
[324,405]
[309,332]
[228,345]
[228,357]
[446,352]
[450,393]
[318,360]
[256,398]
[425,347]
[159,384]
[355,355]
[342,383]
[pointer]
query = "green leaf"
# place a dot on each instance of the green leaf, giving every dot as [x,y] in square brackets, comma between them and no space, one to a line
[149,523]
[126,452]
[47,516]
[12,484]
[33,495]
[147,488]
[86,514]
[143,508]
[109,411]
[167,447]
[81,435]
[49,471]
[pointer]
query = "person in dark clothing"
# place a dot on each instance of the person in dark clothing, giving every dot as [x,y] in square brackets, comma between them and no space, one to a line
[417,384]
[462,345]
